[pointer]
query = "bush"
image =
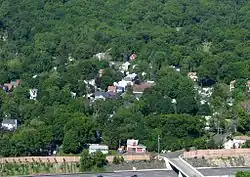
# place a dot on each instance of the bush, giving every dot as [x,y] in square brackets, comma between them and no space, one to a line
[243,174]
[118,160]
[89,162]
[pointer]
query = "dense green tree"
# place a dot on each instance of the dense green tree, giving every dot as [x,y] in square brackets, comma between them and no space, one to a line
[52,46]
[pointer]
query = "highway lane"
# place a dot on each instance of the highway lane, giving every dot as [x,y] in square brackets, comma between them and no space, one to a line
[205,172]
[121,174]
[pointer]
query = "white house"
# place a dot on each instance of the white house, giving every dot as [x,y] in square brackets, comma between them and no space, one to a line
[9,124]
[98,148]
[103,56]
[130,77]
[122,85]
[232,85]
[33,94]
[90,83]
[73,94]
[236,142]
[124,67]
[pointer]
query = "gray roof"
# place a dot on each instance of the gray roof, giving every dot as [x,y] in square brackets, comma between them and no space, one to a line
[9,121]
[104,94]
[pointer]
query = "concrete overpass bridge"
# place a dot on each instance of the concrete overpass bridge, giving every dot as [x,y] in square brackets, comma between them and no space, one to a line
[180,166]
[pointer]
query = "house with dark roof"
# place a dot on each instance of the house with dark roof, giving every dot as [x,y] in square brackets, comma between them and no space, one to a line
[10,124]
[140,88]
[100,95]
[104,95]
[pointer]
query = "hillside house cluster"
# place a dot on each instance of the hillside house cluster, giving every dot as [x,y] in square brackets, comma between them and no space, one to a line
[113,91]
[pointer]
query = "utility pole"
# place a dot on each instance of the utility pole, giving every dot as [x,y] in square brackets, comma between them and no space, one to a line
[158,139]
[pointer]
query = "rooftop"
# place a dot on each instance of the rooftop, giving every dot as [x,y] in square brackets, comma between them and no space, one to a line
[9,121]
[141,87]
[241,138]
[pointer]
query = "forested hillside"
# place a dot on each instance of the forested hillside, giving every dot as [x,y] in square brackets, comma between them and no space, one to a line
[50,46]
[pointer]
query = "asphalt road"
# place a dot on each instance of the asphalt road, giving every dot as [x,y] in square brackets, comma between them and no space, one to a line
[123,174]
[205,172]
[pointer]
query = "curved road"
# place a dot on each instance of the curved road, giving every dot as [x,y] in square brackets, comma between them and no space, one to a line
[169,173]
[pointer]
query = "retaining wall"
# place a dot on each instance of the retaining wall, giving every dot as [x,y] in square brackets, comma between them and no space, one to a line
[66,159]
[212,153]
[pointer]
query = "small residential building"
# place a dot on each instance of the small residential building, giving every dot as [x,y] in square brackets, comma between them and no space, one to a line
[112,89]
[103,56]
[121,89]
[10,124]
[8,87]
[134,147]
[140,88]
[232,85]
[130,77]
[15,83]
[73,94]
[33,94]
[98,148]
[121,86]
[132,57]
[125,66]
[193,76]
[248,85]
[100,95]
[101,71]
